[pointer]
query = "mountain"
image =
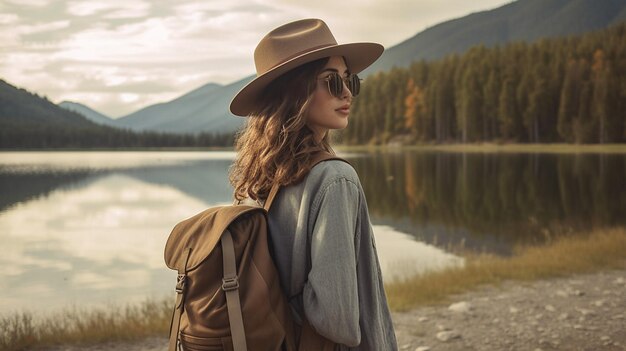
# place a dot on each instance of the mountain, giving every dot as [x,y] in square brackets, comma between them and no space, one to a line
[88,113]
[203,109]
[29,121]
[523,20]
[22,109]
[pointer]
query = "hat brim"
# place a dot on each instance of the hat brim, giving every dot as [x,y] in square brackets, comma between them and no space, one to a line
[358,57]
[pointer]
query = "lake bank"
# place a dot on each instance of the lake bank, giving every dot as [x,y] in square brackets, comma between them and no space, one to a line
[473,147]
[581,312]
[495,148]
[566,257]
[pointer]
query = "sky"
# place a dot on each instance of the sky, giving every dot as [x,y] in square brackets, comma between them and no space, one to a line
[120,56]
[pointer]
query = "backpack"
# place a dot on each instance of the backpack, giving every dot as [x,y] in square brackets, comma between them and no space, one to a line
[228,294]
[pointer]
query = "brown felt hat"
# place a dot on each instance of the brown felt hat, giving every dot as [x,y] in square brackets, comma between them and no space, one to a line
[292,45]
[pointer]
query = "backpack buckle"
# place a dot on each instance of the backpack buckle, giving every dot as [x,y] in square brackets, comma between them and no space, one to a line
[181,281]
[231,283]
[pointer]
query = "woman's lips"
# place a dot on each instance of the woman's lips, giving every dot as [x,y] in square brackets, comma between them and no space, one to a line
[344,109]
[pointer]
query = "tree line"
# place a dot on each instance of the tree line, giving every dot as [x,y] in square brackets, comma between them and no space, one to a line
[570,89]
[42,137]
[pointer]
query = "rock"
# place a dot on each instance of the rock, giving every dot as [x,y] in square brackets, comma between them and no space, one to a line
[563,316]
[448,335]
[562,293]
[513,309]
[598,303]
[405,346]
[422,319]
[578,293]
[423,348]
[619,281]
[441,327]
[585,312]
[550,308]
[462,307]
[605,338]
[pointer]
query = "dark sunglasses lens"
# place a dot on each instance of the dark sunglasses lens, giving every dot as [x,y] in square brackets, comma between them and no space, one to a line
[354,84]
[335,84]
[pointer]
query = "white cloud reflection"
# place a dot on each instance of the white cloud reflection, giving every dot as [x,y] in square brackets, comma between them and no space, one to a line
[96,243]
[402,257]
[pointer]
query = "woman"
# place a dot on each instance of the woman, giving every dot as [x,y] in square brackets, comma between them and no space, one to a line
[321,235]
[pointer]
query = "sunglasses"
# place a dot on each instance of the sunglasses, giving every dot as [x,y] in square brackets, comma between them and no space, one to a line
[335,84]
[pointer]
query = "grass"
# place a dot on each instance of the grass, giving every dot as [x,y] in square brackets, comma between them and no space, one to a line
[602,249]
[583,253]
[81,326]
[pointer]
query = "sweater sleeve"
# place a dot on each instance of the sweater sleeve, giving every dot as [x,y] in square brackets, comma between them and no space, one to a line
[330,295]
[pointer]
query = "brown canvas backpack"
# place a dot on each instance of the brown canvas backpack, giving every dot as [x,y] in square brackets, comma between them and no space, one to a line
[228,294]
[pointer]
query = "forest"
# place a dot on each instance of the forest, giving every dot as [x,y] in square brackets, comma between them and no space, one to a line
[565,90]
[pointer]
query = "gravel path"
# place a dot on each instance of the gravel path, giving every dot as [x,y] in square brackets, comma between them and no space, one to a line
[584,312]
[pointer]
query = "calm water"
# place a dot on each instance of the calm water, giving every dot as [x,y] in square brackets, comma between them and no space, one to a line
[88,228]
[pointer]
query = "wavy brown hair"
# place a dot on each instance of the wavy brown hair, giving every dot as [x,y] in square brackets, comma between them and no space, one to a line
[276,145]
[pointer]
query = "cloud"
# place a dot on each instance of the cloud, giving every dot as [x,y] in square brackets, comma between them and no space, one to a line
[119,9]
[119,56]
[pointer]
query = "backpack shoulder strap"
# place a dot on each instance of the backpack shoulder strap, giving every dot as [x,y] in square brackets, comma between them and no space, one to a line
[317,158]
[230,285]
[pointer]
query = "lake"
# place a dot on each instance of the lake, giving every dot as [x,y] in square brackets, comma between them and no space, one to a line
[88,228]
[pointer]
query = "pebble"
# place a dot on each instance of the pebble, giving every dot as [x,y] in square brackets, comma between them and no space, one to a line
[423,348]
[422,319]
[605,338]
[585,312]
[550,308]
[598,303]
[513,309]
[448,335]
[462,307]
[619,281]
[563,316]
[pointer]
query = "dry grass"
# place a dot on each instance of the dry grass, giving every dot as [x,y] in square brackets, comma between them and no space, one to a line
[79,326]
[565,256]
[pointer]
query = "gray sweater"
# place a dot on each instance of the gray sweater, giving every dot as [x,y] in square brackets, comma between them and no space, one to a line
[324,248]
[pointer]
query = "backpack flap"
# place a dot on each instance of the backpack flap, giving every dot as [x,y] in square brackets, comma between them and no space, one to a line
[201,233]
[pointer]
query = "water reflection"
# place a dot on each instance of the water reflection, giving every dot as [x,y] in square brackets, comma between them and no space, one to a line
[492,201]
[100,243]
[88,228]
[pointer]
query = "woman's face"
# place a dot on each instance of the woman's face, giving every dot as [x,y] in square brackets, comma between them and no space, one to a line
[327,111]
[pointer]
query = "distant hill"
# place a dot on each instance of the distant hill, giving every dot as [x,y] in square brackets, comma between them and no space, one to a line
[523,20]
[203,109]
[22,109]
[529,20]
[28,120]
[88,113]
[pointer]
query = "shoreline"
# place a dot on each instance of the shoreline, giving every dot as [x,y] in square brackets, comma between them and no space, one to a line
[486,147]
[579,312]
